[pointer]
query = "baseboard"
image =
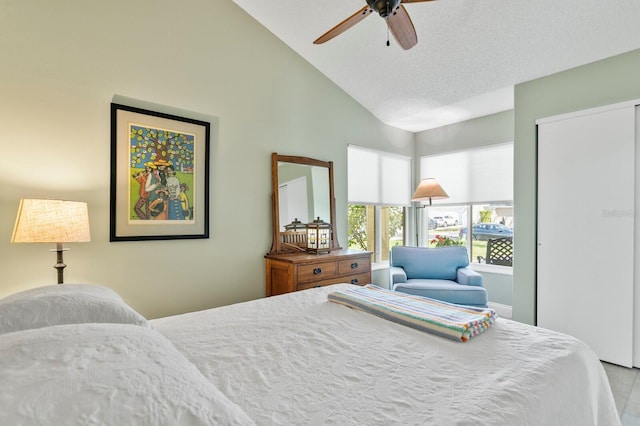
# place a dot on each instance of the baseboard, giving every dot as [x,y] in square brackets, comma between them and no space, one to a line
[503,311]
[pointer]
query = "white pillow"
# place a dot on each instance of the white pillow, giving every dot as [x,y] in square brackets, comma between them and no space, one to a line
[106,374]
[65,304]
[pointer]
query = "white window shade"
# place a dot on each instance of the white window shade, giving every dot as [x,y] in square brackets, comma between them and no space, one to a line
[473,176]
[378,178]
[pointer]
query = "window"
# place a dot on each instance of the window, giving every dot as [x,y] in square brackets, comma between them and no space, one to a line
[448,225]
[479,183]
[365,235]
[379,186]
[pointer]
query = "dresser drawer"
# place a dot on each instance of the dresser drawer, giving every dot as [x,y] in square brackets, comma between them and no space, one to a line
[354,266]
[317,271]
[360,279]
[299,271]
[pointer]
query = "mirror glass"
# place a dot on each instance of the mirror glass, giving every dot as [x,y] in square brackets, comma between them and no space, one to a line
[303,193]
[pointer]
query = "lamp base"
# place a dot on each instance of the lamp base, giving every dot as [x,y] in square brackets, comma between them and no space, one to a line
[59,266]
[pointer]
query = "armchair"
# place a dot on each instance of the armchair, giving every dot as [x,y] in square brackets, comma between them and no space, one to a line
[440,273]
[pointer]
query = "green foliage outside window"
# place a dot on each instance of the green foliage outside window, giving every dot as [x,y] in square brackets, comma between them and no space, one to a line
[396,220]
[485,216]
[444,241]
[357,222]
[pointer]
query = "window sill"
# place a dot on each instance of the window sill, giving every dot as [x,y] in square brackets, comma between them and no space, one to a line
[494,269]
[380,265]
[480,267]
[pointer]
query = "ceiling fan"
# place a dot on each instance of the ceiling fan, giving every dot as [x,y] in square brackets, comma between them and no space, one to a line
[398,21]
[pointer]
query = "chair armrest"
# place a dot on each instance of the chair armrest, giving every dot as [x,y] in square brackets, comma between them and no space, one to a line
[467,276]
[396,275]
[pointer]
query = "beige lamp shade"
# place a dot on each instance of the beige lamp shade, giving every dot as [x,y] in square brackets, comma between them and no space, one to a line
[429,189]
[51,221]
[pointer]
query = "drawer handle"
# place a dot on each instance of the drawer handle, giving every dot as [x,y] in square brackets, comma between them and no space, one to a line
[354,281]
[317,271]
[354,265]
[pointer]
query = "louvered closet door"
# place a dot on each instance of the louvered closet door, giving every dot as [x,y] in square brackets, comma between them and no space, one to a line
[585,284]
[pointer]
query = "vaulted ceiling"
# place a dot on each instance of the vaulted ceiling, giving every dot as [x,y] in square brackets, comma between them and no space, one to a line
[469,56]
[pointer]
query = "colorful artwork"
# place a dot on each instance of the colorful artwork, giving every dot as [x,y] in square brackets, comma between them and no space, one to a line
[161,164]
[159,175]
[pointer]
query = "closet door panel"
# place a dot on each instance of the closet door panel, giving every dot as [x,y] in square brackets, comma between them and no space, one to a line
[586,229]
[636,271]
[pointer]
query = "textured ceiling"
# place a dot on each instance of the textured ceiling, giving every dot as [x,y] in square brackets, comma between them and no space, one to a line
[469,56]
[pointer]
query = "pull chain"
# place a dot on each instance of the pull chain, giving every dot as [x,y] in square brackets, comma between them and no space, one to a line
[387,20]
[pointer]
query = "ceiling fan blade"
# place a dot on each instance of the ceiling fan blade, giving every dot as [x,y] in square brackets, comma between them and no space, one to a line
[402,28]
[344,25]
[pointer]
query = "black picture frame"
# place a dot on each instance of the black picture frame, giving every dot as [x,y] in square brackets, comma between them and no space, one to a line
[159,186]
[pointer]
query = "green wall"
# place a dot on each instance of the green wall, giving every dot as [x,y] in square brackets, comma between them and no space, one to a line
[488,130]
[499,287]
[64,62]
[604,82]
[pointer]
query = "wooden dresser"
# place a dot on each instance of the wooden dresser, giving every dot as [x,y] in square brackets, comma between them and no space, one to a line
[299,271]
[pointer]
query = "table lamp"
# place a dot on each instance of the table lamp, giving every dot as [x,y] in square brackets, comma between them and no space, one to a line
[428,189]
[52,221]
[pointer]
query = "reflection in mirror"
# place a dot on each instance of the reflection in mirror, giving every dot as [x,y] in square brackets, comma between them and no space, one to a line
[303,193]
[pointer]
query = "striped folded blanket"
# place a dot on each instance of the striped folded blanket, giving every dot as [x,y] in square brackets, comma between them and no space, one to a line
[456,322]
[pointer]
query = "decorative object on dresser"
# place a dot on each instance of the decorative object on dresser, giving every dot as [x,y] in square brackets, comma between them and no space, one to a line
[52,221]
[318,236]
[295,234]
[303,190]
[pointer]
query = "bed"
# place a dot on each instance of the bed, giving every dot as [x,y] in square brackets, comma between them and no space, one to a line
[293,359]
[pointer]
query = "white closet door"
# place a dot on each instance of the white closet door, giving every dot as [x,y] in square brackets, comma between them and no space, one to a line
[636,270]
[586,229]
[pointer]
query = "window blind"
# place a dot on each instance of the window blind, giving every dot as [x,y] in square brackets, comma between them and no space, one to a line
[472,176]
[378,177]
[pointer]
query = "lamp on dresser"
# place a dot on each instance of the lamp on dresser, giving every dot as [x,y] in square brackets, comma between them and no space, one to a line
[318,236]
[52,221]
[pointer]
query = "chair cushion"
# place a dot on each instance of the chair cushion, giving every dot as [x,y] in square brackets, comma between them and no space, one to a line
[430,263]
[447,291]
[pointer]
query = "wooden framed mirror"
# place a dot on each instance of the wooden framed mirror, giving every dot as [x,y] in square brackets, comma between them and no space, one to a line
[302,192]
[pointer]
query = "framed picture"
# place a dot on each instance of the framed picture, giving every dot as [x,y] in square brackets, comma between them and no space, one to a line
[159,176]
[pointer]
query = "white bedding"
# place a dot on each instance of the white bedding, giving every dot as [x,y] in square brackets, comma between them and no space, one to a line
[299,359]
[104,374]
[65,304]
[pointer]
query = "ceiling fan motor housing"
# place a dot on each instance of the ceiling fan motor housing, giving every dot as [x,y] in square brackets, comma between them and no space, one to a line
[384,7]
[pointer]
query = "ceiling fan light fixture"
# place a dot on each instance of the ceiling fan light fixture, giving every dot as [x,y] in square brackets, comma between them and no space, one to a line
[392,11]
[384,7]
